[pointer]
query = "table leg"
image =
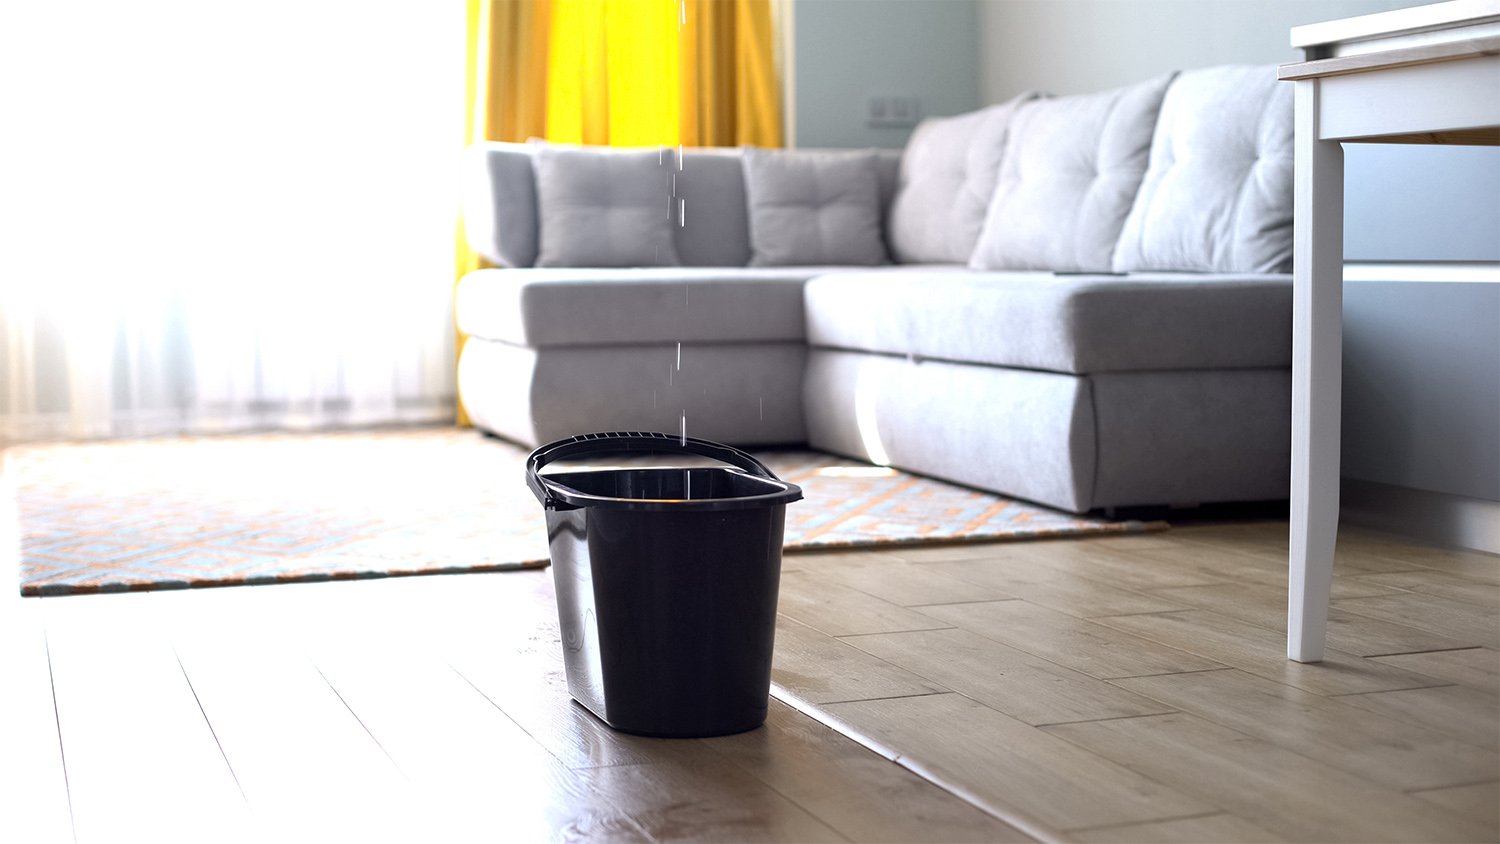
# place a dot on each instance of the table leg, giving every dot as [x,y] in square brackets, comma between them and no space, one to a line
[1317,349]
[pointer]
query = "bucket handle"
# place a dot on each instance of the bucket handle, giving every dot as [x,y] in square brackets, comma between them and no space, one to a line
[632,441]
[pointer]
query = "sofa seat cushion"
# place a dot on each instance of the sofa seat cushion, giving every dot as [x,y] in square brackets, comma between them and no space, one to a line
[594,307]
[1073,324]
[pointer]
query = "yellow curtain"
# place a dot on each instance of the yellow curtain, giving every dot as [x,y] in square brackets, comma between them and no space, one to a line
[729,86]
[648,72]
[622,73]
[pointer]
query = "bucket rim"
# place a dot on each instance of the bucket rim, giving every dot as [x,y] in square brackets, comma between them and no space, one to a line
[556,496]
[572,498]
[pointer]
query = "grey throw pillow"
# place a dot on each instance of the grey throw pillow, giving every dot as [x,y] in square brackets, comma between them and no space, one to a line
[602,207]
[948,173]
[1068,179]
[812,207]
[1217,196]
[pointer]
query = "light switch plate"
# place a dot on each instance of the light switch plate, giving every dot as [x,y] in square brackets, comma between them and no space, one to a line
[893,111]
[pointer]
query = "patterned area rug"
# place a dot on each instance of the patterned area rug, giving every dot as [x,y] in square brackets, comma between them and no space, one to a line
[224,510]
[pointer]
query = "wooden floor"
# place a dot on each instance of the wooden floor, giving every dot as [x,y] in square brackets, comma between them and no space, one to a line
[1112,689]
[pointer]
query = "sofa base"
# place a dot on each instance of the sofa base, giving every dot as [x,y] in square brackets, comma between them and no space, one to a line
[1073,442]
[737,393]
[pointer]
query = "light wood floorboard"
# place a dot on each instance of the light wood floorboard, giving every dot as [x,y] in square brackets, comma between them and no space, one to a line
[1463,621]
[1129,688]
[1479,803]
[821,669]
[1262,651]
[1207,828]
[823,603]
[1477,668]
[1265,606]
[1063,591]
[35,793]
[1288,793]
[1466,714]
[1032,777]
[1395,754]
[1022,686]
[1092,648]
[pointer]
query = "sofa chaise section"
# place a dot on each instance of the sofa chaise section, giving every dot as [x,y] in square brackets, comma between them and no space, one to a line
[1096,392]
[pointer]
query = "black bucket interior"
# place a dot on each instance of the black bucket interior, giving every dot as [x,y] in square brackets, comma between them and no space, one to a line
[659,484]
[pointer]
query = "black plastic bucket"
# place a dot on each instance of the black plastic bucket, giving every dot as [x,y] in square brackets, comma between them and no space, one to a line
[666,582]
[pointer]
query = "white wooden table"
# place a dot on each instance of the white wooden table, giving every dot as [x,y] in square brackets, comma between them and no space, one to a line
[1422,75]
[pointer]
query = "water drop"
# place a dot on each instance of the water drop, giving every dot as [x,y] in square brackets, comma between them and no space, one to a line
[679,355]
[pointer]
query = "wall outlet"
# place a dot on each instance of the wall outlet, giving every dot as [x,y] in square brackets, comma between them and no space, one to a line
[892,111]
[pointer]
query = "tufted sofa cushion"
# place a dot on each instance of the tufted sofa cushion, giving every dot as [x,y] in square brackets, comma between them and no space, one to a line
[1217,195]
[948,172]
[1068,178]
[602,207]
[813,207]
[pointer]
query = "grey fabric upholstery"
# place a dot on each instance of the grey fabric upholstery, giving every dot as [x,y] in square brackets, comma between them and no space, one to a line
[887,178]
[1073,391]
[813,207]
[582,307]
[717,230]
[1192,437]
[1076,324]
[1068,180]
[1027,433]
[1217,195]
[1073,442]
[948,173]
[501,218]
[499,201]
[603,207]
[739,393]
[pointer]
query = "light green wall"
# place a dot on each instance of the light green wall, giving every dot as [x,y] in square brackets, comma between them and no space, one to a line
[848,50]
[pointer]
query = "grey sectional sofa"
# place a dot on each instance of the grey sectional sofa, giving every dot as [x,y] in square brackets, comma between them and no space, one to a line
[1082,301]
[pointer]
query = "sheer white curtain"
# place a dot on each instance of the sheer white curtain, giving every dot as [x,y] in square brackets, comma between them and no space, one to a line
[220,216]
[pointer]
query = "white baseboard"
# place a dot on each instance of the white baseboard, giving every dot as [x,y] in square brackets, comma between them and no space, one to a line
[1422,514]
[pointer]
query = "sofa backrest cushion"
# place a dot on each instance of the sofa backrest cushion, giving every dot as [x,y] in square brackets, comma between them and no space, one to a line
[713,229]
[499,200]
[1217,195]
[813,207]
[948,173]
[1068,179]
[602,207]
